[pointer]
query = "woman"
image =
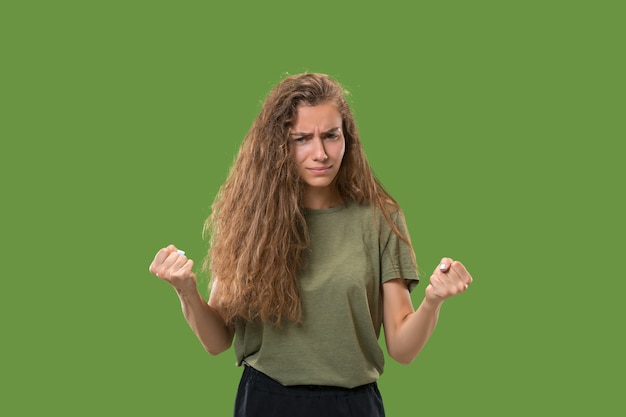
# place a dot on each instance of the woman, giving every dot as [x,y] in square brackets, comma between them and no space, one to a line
[309,256]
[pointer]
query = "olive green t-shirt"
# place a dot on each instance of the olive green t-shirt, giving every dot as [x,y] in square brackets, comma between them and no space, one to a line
[352,252]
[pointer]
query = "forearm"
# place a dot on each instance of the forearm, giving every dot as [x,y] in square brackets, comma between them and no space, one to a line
[414,331]
[205,322]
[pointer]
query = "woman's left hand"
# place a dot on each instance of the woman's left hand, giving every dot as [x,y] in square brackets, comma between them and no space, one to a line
[449,279]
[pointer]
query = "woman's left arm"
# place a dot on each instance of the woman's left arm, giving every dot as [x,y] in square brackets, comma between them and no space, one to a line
[407,330]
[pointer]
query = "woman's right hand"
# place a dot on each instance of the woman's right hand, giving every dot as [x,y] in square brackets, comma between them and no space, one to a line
[174,267]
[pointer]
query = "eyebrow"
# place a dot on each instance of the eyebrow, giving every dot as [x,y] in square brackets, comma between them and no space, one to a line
[304,134]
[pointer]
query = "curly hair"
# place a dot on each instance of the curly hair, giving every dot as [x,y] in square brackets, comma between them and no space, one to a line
[258,232]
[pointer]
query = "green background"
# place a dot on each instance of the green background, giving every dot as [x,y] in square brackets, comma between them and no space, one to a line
[497,125]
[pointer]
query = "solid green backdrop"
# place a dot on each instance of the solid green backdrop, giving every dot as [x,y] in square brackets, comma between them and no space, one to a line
[496,125]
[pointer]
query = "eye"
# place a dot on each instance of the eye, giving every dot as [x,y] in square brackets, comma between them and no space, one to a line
[300,140]
[332,136]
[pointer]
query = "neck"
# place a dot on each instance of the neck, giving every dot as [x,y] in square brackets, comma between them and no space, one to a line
[321,198]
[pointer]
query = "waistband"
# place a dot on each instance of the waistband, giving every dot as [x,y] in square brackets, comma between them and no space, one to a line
[253,375]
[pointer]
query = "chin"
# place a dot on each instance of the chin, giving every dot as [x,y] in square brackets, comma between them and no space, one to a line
[319,183]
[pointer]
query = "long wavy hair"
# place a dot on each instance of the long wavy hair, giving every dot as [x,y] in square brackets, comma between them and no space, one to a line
[258,233]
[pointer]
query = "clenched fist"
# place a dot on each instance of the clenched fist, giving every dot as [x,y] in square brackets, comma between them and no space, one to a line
[171,265]
[450,278]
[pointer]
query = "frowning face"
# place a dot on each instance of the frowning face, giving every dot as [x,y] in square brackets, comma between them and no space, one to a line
[318,146]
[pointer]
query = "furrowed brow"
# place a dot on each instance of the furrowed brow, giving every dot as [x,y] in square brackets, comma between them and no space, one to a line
[306,134]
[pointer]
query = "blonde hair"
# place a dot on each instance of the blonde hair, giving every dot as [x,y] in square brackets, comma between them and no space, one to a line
[257,227]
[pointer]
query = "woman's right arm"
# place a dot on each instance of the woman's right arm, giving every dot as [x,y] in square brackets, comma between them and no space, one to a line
[203,318]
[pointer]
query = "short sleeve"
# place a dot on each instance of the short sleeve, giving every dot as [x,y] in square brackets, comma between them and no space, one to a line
[397,259]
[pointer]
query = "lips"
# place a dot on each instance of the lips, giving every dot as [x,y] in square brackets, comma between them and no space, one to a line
[319,170]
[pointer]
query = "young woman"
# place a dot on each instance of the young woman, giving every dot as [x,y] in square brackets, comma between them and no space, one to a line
[309,256]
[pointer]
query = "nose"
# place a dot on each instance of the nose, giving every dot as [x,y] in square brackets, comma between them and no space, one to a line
[319,152]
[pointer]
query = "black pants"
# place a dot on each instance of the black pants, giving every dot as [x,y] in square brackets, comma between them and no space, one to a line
[261,396]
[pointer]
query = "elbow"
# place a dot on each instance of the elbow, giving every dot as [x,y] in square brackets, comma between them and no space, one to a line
[403,357]
[212,351]
[215,350]
[218,341]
